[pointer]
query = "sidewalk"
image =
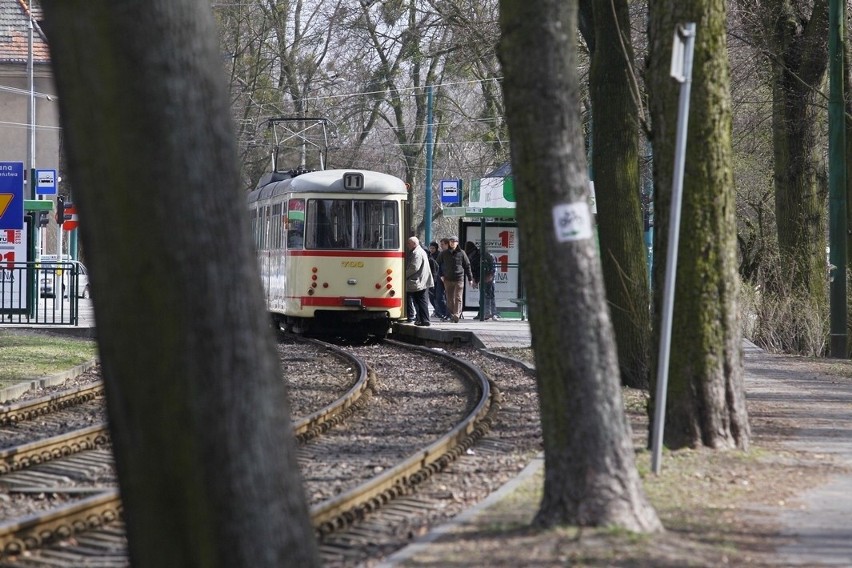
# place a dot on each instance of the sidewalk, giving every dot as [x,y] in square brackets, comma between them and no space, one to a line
[821,406]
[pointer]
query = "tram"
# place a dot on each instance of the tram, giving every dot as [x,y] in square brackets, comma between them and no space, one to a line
[330,247]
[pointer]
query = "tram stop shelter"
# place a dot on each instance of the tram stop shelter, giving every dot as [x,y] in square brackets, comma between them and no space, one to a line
[491,201]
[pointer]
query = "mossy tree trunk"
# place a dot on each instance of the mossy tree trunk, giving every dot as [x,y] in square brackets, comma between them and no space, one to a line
[706,396]
[798,48]
[847,94]
[198,412]
[614,91]
[590,474]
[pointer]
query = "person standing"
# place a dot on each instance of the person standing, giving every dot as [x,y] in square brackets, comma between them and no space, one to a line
[472,252]
[418,280]
[436,294]
[455,266]
[489,270]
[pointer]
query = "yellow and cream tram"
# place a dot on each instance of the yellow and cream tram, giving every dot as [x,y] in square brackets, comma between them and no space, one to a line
[331,250]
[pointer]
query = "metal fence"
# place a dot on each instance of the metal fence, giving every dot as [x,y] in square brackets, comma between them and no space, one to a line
[44,293]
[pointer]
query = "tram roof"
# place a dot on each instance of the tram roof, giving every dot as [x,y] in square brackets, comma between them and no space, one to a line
[331,181]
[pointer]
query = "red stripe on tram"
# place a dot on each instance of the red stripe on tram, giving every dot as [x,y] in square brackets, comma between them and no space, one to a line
[337,302]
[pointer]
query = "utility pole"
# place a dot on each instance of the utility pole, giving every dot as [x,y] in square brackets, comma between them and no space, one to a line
[837,179]
[427,210]
[31,132]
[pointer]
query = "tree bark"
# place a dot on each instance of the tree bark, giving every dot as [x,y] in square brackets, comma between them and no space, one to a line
[590,475]
[198,412]
[706,395]
[799,58]
[615,163]
[847,96]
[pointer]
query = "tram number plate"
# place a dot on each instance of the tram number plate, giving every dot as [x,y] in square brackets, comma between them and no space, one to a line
[353,180]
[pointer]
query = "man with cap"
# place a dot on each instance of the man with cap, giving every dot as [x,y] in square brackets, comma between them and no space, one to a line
[455,267]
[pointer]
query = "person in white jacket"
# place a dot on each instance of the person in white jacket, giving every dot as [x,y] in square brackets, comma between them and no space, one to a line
[418,280]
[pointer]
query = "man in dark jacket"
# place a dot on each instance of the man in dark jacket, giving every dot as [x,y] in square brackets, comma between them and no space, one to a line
[455,267]
[436,294]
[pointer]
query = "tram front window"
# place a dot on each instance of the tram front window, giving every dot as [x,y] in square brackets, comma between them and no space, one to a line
[348,224]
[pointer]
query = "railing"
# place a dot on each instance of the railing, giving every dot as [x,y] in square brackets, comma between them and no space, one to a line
[44,293]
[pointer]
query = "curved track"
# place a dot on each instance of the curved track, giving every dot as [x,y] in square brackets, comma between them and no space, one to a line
[93,511]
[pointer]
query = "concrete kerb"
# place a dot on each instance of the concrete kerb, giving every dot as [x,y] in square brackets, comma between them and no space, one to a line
[15,391]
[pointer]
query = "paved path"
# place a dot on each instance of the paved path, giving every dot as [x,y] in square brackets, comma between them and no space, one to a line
[818,521]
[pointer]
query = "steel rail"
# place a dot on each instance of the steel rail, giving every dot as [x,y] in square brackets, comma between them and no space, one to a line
[29,409]
[26,455]
[38,530]
[324,418]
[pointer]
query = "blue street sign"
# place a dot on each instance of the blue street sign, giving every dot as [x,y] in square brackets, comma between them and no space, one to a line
[45,182]
[451,191]
[11,195]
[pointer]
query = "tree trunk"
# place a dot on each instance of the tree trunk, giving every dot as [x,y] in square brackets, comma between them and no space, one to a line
[590,475]
[615,161]
[799,49]
[198,412]
[847,95]
[706,396]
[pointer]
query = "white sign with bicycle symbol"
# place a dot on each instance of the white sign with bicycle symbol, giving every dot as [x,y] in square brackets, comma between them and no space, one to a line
[572,221]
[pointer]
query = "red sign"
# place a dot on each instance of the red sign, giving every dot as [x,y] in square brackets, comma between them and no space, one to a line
[70,222]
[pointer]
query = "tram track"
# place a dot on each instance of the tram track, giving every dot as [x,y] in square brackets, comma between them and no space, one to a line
[78,509]
[328,515]
[435,450]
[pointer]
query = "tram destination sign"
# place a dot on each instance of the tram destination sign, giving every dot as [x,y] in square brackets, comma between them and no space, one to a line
[11,195]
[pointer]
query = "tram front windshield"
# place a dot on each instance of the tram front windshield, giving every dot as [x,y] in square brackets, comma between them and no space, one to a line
[352,224]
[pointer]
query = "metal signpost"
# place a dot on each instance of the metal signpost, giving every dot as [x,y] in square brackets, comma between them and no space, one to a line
[681,70]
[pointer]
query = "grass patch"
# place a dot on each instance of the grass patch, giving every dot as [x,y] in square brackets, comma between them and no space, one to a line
[26,356]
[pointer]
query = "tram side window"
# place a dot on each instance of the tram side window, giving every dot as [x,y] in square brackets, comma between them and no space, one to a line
[329,224]
[376,224]
[296,223]
[263,228]
[254,228]
[276,227]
